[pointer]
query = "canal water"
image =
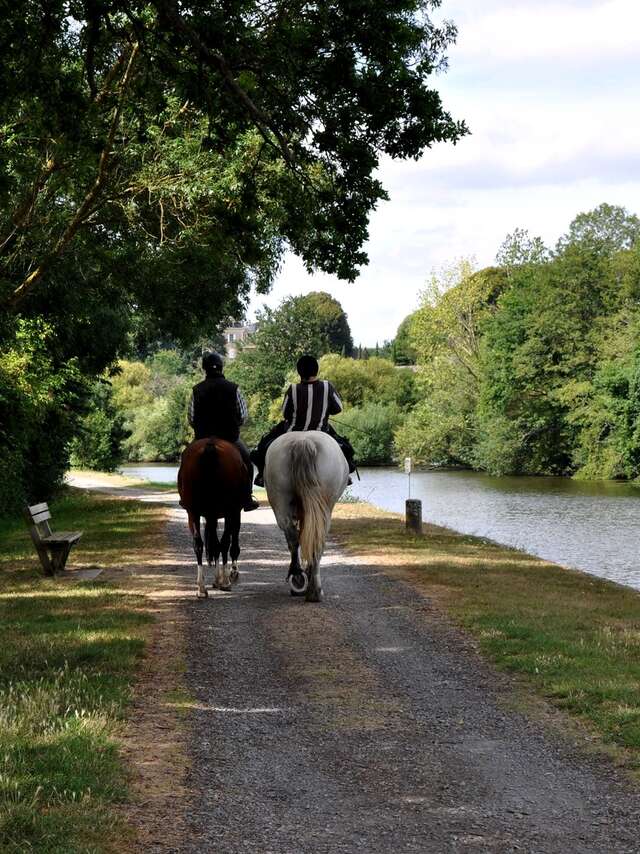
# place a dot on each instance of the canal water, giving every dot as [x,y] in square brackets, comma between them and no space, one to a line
[589,525]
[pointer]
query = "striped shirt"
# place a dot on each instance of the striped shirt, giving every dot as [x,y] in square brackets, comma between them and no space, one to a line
[307,406]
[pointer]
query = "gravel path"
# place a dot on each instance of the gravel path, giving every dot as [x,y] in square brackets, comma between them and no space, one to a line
[368,723]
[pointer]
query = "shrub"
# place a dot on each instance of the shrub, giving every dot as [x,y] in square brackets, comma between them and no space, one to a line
[370,430]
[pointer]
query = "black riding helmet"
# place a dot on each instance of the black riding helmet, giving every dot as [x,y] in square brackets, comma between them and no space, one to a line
[212,362]
[307,366]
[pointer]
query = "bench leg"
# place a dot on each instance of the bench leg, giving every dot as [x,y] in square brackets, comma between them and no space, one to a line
[47,564]
[59,555]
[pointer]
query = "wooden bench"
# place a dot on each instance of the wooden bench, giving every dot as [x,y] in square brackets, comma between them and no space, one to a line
[53,549]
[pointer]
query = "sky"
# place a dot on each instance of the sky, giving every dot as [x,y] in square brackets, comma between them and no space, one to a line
[550,91]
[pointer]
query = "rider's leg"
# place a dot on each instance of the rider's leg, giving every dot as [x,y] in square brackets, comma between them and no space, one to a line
[345,446]
[260,453]
[249,502]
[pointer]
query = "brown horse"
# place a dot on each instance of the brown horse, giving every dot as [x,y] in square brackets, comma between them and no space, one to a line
[211,484]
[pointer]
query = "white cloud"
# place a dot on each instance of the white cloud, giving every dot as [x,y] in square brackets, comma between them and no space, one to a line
[561,31]
[544,146]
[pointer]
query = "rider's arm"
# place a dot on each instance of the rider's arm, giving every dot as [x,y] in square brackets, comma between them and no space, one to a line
[287,406]
[241,407]
[335,404]
[190,410]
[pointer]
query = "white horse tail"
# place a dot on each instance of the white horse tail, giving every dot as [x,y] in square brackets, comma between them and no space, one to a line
[313,505]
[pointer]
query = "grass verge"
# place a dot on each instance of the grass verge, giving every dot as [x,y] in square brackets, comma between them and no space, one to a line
[574,637]
[68,657]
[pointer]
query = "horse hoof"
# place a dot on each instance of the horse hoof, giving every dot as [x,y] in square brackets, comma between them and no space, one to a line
[226,588]
[314,596]
[202,594]
[235,576]
[298,582]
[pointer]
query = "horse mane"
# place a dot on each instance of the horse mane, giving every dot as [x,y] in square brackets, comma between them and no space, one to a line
[313,505]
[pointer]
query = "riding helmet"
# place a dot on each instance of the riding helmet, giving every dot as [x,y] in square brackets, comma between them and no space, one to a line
[212,362]
[307,366]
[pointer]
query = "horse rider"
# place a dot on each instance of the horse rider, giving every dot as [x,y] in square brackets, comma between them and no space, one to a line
[218,409]
[307,405]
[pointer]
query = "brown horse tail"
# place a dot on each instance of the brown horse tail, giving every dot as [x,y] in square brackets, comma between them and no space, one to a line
[210,459]
[313,505]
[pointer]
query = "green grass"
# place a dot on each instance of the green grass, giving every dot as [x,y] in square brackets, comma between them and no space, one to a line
[67,660]
[575,638]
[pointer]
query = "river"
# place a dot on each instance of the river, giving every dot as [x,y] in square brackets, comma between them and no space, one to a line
[589,525]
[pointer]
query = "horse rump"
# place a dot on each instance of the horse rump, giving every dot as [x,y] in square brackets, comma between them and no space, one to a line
[200,468]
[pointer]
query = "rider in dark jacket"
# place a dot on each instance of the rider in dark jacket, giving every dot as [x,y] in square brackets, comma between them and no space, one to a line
[307,405]
[217,408]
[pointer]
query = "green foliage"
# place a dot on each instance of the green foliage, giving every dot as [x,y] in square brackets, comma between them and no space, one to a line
[40,404]
[605,230]
[157,424]
[446,335]
[157,158]
[374,380]
[314,323]
[370,429]
[533,367]
[98,444]
[402,350]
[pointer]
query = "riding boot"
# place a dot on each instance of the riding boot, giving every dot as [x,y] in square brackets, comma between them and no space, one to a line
[249,502]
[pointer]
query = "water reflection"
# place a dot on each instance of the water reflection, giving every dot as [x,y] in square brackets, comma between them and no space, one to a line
[590,525]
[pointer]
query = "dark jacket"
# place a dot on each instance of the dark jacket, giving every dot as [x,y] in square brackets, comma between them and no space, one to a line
[215,409]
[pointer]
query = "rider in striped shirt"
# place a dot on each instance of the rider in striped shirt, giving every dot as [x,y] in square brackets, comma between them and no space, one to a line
[307,405]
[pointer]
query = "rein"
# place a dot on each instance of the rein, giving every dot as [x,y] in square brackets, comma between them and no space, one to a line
[351,427]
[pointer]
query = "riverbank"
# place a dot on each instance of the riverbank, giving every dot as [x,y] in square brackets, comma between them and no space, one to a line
[71,651]
[573,638]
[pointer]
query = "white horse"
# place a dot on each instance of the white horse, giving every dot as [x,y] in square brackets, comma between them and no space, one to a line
[305,474]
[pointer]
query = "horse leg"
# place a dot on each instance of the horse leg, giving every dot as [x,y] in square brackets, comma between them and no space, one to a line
[314,590]
[225,542]
[194,527]
[293,541]
[235,547]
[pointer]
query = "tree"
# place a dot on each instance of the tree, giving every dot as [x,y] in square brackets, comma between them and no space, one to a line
[331,321]
[131,110]
[313,324]
[446,333]
[606,229]
[404,352]
[519,248]
[157,157]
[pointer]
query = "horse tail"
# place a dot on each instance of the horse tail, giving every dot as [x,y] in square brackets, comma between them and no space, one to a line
[313,505]
[208,475]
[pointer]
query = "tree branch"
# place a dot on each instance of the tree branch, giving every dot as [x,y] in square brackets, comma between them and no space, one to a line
[214,58]
[88,204]
[24,210]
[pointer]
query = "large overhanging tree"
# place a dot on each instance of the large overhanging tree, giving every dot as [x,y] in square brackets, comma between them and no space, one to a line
[157,157]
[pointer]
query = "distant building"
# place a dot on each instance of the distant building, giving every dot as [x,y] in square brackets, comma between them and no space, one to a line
[235,334]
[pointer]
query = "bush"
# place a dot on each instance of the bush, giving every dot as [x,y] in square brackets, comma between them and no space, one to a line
[38,405]
[370,430]
[160,430]
[363,381]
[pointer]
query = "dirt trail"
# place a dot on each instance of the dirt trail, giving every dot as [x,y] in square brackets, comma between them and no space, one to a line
[367,723]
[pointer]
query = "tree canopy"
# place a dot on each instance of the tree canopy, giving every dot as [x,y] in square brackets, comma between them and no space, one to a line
[158,158]
[314,323]
[533,367]
[215,131]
